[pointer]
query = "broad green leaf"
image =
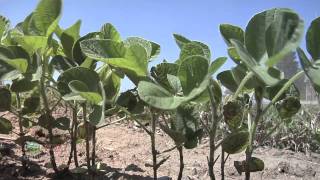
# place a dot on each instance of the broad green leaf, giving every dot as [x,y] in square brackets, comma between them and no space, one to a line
[108,31]
[180,40]
[160,72]
[31,104]
[19,64]
[78,86]
[229,32]
[45,120]
[77,54]
[5,102]
[32,43]
[97,117]
[5,126]
[69,38]
[23,85]
[62,123]
[186,123]
[130,100]
[88,77]
[4,26]
[264,73]
[61,63]
[312,70]
[276,31]
[132,41]
[158,97]
[283,36]
[46,16]
[103,49]
[134,64]
[313,39]
[190,49]
[155,49]
[216,64]
[233,54]
[236,142]
[175,83]
[192,72]
[111,82]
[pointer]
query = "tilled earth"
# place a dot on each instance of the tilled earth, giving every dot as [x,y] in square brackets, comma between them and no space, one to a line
[123,150]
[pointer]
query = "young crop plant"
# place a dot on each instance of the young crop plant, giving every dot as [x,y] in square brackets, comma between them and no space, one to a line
[176,89]
[269,36]
[129,57]
[311,65]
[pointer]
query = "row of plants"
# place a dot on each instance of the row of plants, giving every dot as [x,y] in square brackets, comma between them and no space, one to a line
[90,69]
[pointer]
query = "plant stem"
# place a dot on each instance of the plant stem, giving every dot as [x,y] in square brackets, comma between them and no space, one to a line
[252,131]
[21,133]
[75,131]
[47,113]
[93,153]
[86,123]
[180,150]
[153,145]
[212,135]
[222,163]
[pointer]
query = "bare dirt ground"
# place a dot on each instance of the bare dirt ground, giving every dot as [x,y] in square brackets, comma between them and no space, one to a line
[124,152]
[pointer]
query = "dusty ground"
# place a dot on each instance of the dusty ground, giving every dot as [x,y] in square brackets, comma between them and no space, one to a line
[124,150]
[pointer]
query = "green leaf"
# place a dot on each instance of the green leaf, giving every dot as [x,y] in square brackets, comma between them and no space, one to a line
[229,32]
[283,36]
[277,31]
[89,77]
[69,38]
[160,73]
[4,26]
[134,64]
[61,63]
[236,142]
[62,123]
[97,117]
[81,89]
[190,49]
[19,64]
[312,70]
[264,73]
[111,82]
[31,104]
[313,39]
[77,54]
[46,16]
[180,40]
[132,41]
[23,85]
[158,97]
[217,64]
[5,96]
[32,43]
[192,72]
[80,81]
[155,49]
[233,54]
[103,49]
[78,86]
[175,83]
[5,126]
[45,119]
[108,31]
